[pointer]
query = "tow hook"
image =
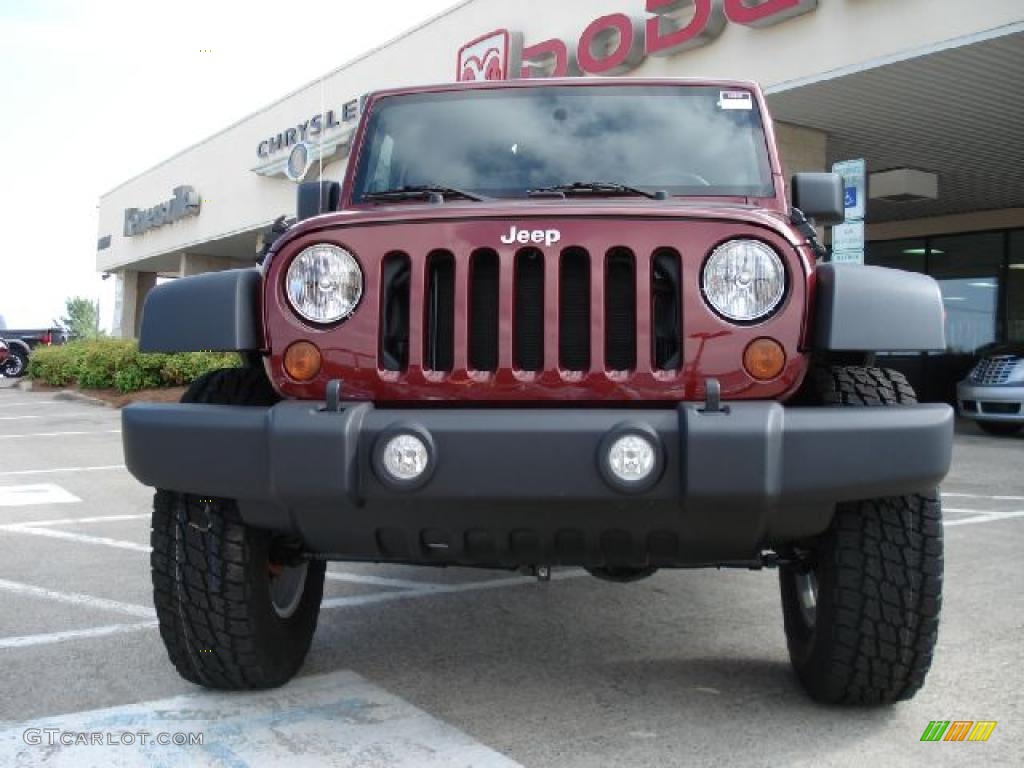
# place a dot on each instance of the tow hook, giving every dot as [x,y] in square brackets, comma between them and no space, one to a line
[713,397]
[333,396]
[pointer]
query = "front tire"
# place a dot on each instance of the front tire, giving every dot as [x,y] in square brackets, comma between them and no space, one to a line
[861,602]
[237,606]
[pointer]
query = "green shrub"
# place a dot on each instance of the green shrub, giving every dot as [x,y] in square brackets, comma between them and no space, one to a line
[115,363]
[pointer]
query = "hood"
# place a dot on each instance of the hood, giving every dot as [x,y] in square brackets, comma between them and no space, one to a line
[735,210]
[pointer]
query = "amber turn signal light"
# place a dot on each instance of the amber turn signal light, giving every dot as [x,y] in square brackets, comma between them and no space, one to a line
[764,359]
[302,361]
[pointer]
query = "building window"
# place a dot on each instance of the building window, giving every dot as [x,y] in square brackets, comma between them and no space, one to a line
[1015,288]
[968,268]
[981,276]
[907,255]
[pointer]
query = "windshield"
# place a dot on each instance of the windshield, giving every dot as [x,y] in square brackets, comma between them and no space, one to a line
[684,140]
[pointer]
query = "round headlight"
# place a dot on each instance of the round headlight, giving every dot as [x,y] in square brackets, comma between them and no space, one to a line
[324,283]
[744,280]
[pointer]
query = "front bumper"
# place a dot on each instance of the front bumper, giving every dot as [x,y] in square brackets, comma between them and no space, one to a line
[991,403]
[523,486]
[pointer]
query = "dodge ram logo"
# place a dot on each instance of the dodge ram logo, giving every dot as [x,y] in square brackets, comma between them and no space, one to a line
[487,58]
[546,236]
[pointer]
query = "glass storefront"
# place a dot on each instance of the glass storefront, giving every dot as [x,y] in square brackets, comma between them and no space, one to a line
[981,276]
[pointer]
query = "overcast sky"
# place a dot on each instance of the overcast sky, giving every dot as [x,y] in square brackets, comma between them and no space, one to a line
[93,92]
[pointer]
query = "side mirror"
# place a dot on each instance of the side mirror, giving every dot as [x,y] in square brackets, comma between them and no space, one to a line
[316,197]
[820,197]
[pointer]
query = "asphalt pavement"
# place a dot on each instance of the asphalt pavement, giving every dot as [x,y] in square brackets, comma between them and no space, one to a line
[425,667]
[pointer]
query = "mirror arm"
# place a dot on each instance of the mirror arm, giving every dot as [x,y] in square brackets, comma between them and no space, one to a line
[806,228]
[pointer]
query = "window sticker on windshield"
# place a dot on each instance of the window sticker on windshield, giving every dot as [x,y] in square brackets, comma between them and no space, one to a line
[735,100]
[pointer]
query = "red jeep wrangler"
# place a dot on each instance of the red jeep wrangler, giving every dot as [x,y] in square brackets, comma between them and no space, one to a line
[552,323]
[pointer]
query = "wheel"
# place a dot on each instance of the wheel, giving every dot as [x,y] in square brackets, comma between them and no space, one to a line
[15,365]
[237,606]
[861,602]
[1001,428]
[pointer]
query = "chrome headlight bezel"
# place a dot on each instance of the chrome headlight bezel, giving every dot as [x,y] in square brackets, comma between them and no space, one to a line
[775,299]
[336,260]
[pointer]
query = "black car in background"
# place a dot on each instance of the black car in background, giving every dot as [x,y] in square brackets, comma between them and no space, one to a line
[20,343]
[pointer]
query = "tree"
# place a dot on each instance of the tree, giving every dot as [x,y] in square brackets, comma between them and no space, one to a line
[82,319]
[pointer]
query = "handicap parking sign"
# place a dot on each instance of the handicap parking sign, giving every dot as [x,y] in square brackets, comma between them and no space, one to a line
[854,173]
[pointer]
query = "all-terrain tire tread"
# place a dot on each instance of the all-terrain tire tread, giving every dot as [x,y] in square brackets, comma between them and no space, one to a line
[885,562]
[887,593]
[202,560]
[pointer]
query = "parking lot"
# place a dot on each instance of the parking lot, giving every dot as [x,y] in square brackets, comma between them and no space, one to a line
[456,667]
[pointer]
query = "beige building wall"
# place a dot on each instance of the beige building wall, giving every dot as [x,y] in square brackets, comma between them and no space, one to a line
[838,34]
[801,149]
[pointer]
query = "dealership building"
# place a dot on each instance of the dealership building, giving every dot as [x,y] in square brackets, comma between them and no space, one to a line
[926,92]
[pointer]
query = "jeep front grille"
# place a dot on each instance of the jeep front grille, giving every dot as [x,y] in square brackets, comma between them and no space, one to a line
[550,324]
[483,311]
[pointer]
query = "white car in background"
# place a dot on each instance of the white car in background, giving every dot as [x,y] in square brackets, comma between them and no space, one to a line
[993,392]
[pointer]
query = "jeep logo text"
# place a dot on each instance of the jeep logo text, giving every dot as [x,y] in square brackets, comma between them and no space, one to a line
[547,236]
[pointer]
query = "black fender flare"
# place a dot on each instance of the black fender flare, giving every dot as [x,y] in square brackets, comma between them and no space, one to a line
[212,312]
[861,308]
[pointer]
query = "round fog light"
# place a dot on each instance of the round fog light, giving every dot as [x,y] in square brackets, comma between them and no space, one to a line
[405,457]
[631,458]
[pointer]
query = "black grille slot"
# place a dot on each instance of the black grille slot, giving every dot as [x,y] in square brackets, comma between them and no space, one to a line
[666,314]
[620,310]
[439,328]
[394,312]
[528,339]
[483,311]
[574,310]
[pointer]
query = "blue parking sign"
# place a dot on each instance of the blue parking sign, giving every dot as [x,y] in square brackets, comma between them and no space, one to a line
[854,173]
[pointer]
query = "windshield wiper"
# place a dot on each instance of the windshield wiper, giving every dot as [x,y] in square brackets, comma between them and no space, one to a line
[423,191]
[597,188]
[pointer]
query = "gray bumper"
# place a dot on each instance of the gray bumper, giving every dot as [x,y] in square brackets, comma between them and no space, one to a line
[729,482]
[991,403]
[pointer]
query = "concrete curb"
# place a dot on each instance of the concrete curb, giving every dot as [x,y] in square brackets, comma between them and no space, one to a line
[67,394]
[25,385]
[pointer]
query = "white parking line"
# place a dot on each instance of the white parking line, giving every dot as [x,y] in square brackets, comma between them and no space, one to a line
[421,590]
[26,641]
[76,598]
[81,538]
[981,496]
[444,589]
[378,581]
[982,517]
[74,521]
[102,468]
[51,415]
[62,434]
[337,718]
[28,403]
[29,495]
